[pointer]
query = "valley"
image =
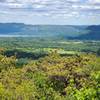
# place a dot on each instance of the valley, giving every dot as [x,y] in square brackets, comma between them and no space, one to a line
[49,67]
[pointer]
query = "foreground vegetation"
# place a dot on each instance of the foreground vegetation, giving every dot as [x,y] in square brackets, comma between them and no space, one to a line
[50,78]
[49,73]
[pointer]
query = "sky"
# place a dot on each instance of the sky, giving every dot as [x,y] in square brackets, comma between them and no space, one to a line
[59,12]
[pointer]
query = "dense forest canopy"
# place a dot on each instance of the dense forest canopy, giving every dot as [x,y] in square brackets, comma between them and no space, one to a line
[52,77]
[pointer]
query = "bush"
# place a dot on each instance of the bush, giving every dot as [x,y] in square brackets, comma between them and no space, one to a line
[53,77]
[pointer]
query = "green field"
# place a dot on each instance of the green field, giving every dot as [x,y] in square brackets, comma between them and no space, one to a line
[41,43]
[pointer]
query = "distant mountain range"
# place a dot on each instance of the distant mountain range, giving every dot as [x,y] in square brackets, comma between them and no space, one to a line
[64,31]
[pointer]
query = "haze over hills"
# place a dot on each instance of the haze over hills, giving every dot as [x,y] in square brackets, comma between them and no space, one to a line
[66,31]
[92,34]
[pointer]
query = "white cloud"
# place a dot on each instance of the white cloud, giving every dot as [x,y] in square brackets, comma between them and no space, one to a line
[51,8]
[94,1]
[74,0]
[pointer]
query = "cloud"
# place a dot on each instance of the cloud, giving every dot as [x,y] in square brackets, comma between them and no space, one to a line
[51,8]
[94,1]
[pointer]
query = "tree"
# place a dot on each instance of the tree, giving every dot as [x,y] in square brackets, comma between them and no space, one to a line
[98,52]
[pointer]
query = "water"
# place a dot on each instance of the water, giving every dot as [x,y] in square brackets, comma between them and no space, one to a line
[18,36]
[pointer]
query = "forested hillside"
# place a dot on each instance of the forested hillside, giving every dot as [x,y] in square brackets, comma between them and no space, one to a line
[93,34]
[57,31]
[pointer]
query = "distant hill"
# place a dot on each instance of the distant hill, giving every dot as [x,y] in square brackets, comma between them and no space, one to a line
[64,31]
[92,34]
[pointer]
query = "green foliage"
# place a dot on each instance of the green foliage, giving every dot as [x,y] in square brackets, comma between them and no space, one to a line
[53,77]
[98,52]
[21,62]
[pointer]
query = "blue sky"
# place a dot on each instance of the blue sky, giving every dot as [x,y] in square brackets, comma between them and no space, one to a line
[69,12]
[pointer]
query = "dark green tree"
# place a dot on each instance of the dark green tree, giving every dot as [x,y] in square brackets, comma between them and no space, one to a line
[98,52]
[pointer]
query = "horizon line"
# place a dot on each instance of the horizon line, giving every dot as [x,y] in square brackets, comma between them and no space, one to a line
[50,24]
